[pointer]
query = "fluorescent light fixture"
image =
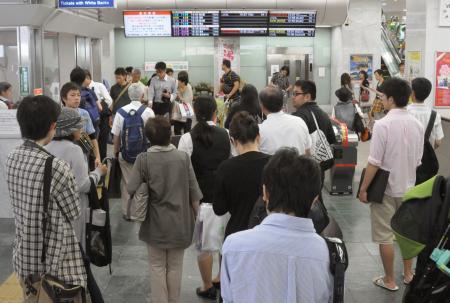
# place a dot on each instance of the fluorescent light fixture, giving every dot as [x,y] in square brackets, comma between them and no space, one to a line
[383,3]
[2,51]
[323,26]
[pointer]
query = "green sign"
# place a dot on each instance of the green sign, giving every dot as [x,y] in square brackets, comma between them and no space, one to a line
[24,81]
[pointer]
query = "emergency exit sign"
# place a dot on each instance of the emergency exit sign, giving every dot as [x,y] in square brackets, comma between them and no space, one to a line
[86,3]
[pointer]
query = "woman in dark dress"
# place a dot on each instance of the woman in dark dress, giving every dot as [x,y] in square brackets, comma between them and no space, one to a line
[238,181]
[249,103]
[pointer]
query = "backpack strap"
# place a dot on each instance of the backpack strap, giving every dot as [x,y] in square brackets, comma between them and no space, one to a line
[122,112]
[46,191]
[141,110]
[338,265]
[430,125]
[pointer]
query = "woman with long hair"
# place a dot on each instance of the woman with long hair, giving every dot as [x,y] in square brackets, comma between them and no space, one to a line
[208,146]
[249,103]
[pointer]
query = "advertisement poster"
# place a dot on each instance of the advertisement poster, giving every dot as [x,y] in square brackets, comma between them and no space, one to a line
[414,64]
[444,13]
[359,63]
[442,98]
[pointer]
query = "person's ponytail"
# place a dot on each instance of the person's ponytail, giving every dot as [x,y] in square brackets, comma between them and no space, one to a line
[204,108]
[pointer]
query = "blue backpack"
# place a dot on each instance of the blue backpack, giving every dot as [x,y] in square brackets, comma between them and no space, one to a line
[89,103]
[133,140]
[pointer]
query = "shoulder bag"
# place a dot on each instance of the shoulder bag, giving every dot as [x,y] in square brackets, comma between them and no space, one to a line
[321,149]
[138,202]
[47,288]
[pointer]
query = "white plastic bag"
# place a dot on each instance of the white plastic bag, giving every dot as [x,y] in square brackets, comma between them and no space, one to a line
[209,229]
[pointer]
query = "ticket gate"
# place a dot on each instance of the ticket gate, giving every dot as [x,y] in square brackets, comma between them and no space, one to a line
[339,178]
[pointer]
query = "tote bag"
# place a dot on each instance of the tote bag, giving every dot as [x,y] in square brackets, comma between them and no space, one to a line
[321,149]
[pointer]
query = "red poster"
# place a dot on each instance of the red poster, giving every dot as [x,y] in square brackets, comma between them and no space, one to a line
[442,79]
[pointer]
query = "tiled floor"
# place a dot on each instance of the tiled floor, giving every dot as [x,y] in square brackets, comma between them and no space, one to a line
[129,281]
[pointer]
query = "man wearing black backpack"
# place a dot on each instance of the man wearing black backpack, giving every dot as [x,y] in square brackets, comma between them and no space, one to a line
[129,138]
[431,121]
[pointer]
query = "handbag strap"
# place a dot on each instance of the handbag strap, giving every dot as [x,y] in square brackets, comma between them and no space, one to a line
[430,125]
[46,190]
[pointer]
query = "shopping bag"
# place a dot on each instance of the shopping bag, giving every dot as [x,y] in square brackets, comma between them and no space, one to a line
[176,114]
[186,110]
[209,231]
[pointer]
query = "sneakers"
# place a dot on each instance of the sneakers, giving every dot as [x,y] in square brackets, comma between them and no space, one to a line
[207,294]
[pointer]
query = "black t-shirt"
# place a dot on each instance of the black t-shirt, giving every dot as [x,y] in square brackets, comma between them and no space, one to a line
[323,120]
[116,89]
[238,185]
[228,82]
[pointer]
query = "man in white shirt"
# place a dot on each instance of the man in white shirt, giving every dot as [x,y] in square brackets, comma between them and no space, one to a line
[99,89]
[136,78]
[280,129]
[421,89]
[136,94]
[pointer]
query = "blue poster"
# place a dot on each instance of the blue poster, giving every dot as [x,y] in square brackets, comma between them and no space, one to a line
[86,3]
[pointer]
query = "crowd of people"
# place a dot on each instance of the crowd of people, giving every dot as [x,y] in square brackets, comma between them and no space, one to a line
[263,153]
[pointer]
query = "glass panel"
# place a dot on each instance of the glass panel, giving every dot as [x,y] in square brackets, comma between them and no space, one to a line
[9,60]
[51,65]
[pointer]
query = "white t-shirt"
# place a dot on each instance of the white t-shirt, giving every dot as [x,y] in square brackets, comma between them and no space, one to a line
[283,130]
[101,92]
[118,120]
[422,112]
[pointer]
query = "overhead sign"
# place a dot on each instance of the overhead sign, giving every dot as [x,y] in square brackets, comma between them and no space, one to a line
[86,3]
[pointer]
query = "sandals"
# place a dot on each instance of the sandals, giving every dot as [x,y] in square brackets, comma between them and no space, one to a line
[407,282]
[378,281]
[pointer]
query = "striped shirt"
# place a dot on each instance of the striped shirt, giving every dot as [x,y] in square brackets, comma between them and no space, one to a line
[25,175]
[281,260]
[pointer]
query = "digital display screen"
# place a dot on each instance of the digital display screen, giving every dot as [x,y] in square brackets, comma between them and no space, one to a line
[292,24]
[243,23]
[147,23]
[195,23]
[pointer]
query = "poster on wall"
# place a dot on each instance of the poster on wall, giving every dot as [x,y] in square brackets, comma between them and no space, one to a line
[444,13]
[414,64]
[226,48]
[361,62]
[442,98]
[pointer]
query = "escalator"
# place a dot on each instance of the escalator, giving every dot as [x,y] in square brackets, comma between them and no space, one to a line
[390,53]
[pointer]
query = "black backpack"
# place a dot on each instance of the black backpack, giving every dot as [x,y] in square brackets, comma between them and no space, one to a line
[430,164]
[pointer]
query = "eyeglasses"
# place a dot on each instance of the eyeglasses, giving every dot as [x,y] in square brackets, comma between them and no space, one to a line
[298,94]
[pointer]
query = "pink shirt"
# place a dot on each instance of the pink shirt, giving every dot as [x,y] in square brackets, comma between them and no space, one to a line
[397,146]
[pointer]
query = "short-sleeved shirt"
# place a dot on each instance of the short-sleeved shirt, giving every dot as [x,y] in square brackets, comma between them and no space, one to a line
[283,130]
[423,113]
[397,146]
[88,127]
[228,82]
[118,120]
[124,99]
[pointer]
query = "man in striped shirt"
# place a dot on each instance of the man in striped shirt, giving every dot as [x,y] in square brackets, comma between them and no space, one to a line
[283,259]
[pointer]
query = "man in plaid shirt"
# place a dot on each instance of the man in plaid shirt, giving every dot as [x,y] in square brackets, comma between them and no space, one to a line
[25,176]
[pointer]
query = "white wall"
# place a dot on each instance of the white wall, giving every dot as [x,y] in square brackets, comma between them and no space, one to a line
[361,36]
[424,34]
[67,56]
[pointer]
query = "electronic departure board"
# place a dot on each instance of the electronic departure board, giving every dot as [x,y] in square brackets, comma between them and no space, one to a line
[292,23]
[243,23]
[147,23]
[195,23]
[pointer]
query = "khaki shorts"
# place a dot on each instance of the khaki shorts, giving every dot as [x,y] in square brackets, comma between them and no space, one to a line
[381,215]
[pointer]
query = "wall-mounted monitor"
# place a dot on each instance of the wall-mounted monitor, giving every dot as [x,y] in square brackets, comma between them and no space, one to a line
[147,23]
[292,23]
[195,23]
[243,23]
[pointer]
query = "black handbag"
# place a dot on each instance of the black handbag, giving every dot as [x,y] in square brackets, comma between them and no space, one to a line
[98,236]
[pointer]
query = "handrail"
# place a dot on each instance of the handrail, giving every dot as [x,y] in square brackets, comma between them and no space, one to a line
[391,46]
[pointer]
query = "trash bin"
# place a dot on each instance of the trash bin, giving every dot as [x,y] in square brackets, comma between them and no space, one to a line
[339,178]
